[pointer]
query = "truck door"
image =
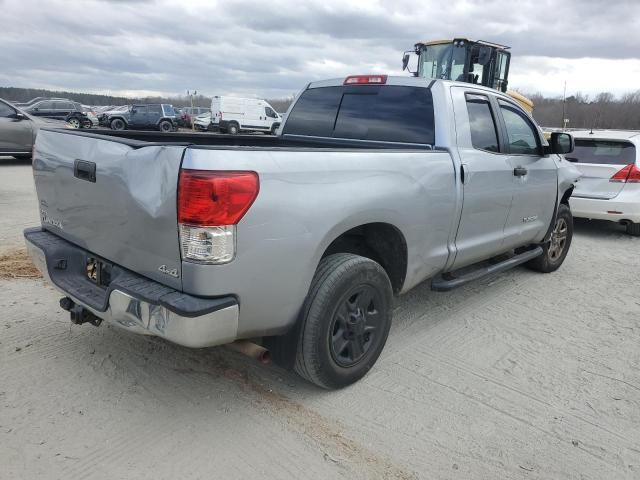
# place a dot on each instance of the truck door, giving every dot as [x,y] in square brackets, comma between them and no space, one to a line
[486,176]
[271,117]
[535,178]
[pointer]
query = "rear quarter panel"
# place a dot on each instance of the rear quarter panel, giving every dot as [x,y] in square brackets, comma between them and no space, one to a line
[306,200]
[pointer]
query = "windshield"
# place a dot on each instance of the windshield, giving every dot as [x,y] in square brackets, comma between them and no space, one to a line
[444,61]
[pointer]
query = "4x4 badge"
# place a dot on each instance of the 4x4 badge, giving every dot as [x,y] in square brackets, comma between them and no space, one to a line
[169,271]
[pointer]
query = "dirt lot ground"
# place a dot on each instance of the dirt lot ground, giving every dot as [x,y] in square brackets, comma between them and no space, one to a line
[519,376]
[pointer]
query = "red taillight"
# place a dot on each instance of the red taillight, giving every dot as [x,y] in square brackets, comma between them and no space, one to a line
[365,80]
[628,174]
[207,198]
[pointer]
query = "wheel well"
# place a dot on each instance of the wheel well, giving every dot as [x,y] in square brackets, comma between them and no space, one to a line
[567,194]
[380,242]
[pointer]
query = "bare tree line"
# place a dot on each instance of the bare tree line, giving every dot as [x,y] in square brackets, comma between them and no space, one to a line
[603,110]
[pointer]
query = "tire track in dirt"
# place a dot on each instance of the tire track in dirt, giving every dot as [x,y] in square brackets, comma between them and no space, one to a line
[325,434]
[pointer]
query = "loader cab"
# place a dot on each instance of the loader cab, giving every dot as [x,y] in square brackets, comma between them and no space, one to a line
[462,60]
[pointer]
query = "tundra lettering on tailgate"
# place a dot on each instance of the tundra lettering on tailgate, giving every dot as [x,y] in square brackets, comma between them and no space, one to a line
[48,220]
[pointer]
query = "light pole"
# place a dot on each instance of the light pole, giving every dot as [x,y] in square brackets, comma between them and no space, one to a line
[193,126]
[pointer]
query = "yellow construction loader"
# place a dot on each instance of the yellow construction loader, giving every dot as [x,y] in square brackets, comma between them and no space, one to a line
[464,60]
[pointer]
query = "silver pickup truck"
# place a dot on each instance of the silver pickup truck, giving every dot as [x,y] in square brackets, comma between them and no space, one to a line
[373,185]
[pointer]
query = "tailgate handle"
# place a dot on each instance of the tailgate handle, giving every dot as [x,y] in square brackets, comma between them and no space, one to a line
[84,170]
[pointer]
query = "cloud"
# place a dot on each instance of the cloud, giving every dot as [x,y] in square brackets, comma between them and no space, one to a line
[272,49]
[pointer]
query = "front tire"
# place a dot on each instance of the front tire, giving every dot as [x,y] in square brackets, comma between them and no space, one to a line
[555,251]
[74,122]
[345,321]
[117,124]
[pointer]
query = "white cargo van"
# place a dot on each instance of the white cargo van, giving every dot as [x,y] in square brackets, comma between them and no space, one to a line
[234,114]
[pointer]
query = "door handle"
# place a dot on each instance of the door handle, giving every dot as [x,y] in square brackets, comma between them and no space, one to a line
[464,173]
[519,172]
[84,170]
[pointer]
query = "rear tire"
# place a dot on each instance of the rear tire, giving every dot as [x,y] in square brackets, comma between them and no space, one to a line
[117,124]
[165,126]
[555,251]
[74,122]
[633,229]
[345,321]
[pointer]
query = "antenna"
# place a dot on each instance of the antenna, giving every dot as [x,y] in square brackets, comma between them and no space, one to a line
[564,101]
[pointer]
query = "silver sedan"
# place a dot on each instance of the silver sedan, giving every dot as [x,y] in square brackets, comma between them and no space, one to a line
[18,130]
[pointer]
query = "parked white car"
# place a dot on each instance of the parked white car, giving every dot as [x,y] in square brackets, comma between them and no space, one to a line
[203,122]
[609,188]
[234,114]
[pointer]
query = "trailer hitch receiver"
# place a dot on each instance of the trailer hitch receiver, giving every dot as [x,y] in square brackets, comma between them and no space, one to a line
[78,313]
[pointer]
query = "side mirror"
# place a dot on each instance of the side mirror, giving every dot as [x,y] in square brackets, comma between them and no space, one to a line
[18,116]
[560,143]
[405,61]
[133,110]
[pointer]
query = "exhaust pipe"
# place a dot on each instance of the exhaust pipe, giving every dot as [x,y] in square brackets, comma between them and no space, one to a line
[251,350]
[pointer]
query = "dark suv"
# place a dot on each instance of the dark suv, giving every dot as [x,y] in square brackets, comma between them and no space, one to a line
[50,108]
[155,116]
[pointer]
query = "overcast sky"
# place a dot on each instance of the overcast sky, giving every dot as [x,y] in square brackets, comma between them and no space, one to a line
[272,48]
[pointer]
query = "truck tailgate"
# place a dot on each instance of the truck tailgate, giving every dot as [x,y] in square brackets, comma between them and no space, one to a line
[125,212]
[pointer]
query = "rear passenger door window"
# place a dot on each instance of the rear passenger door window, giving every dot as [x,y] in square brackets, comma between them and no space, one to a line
[484,135]
[44,106]
[155,111]
[522,136]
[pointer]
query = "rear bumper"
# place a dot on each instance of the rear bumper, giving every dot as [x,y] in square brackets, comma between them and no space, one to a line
[624,207]
[131,301]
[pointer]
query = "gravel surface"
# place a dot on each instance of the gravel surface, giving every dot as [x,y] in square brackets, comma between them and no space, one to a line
[522,375]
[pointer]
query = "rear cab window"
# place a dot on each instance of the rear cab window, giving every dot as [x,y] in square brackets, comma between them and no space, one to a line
[603,152]
[381,113]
